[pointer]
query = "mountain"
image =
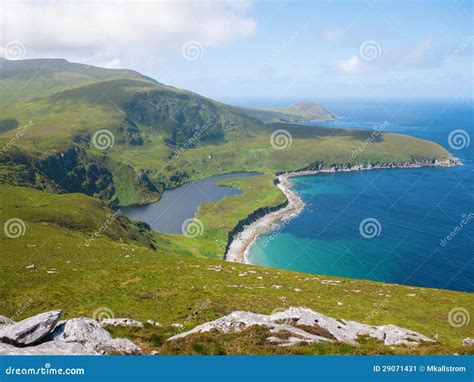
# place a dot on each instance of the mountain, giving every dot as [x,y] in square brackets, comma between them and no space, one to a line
[308,112]
[64,104]
[124,137]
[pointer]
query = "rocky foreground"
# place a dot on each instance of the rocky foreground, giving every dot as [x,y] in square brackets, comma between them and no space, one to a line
[45,334]
[298,325]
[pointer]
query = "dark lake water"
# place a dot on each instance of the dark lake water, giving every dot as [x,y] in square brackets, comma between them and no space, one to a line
[181,203]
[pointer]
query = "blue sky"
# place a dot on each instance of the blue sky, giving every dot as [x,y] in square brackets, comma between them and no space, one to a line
[305,50]
[300,50]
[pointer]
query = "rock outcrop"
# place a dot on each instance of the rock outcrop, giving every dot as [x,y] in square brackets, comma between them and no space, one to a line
[305,325]
[5,321]
[95,339]
[123,322]
[30,330]
[468,341]
[43,334]
[46,348]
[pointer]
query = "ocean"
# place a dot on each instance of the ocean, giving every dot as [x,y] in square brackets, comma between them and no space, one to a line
[404,226]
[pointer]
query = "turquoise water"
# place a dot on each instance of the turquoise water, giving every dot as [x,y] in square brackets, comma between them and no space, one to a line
[413,210]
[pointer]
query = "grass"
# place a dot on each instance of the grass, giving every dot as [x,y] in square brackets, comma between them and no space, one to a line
[84,260]
[119,272]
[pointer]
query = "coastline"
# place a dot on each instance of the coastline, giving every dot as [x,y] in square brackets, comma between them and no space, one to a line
[239,247]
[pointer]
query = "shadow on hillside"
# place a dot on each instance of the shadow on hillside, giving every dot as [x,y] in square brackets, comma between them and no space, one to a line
[301,132]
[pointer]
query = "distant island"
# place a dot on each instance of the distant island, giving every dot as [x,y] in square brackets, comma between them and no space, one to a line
[299,113]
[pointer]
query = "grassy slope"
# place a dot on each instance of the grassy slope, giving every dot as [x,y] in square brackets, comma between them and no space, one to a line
[28,79]
[136,282]
[120,272]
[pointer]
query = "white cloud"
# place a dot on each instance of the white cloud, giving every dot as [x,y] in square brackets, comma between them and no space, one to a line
[349,65]
[113,31]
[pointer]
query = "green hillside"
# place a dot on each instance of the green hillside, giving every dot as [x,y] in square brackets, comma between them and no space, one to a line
[63,184]
[119,271]
[297,113]
[27,79]
[162,136]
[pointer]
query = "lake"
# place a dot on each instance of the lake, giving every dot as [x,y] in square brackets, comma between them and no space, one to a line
[181,203]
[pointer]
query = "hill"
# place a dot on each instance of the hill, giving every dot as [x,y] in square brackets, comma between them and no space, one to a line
[308,112]
[56,114]
[298,113]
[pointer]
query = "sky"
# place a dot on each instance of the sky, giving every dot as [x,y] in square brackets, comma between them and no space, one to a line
[226,50]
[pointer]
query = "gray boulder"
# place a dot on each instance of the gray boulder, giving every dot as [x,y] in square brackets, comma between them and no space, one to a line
[31,330]
[468,341]
[95,339]
[123,322]
[46,348]
[5,321]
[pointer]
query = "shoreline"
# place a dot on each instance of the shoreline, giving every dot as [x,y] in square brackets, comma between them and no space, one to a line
[238,250]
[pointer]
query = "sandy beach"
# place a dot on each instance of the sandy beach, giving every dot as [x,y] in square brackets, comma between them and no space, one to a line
[238,249]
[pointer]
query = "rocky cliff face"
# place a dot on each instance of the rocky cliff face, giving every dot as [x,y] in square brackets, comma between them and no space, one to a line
[73,171]
[335,167]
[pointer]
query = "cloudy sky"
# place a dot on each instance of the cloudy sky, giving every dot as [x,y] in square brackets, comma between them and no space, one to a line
[243,49]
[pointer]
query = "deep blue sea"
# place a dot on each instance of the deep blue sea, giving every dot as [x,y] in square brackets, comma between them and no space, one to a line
[412,211]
